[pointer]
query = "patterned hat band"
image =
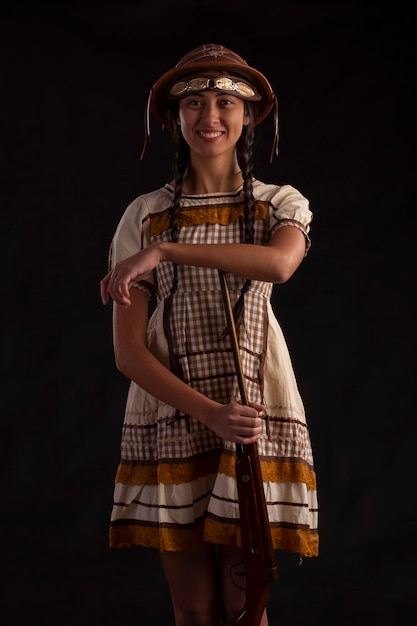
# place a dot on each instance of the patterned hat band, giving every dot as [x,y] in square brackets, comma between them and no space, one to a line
[227,84]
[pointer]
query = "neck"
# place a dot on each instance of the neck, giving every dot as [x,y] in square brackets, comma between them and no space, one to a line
[212,177]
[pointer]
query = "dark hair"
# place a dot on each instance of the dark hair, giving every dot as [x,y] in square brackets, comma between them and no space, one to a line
[180,162]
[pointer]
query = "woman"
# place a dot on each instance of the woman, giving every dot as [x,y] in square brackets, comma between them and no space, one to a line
[175,486]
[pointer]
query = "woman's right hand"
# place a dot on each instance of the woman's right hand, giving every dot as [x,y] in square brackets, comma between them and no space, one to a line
[237,422]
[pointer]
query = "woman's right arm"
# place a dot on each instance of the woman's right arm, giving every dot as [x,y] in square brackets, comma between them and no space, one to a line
[234,422]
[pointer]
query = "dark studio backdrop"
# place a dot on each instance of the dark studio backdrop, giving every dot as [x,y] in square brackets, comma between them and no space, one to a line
[75,78]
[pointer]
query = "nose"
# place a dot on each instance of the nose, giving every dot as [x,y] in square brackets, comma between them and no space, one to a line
[210,111]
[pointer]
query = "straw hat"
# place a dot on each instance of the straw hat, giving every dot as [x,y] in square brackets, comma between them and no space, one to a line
[215,67]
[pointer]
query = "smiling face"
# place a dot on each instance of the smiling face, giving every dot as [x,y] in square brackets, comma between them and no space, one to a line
[211,122]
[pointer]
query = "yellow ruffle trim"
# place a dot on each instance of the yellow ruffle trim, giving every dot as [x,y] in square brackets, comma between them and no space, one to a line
[276,471]
[166,473]
[177,473]
[125,535]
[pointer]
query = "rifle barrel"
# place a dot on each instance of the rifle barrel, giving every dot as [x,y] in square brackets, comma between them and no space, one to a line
[271,570]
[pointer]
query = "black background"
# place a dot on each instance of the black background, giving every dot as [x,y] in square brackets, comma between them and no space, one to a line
[75,78]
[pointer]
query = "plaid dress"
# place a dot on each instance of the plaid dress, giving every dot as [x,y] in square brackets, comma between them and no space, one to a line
[175,485]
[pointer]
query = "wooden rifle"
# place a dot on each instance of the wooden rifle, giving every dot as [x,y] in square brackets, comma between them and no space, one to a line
[257,548]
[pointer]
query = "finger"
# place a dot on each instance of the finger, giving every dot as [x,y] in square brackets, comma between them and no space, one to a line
[250,429]
[245,440]
[259,407]
[111,286]
[123,293]
[120,298]
[120,288]
[249,411]
[246,423]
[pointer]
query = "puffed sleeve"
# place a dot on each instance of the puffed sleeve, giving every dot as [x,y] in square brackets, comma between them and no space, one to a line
[290,208]
[132,234]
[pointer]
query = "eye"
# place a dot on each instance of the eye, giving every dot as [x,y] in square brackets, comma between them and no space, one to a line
[192,101]
[227,101]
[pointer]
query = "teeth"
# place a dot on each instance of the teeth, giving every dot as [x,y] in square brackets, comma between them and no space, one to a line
[210,135]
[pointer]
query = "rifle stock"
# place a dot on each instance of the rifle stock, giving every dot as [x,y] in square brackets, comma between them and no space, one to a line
[258,551]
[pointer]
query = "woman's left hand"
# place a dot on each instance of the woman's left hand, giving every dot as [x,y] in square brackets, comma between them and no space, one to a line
[117,283]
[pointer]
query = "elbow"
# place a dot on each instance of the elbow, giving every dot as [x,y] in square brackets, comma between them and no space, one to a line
[283,271]
[285,266]
[122,363]
[128,358]
[282,276]
[286,252]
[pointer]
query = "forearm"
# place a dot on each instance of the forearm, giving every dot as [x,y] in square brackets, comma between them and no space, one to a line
[243,260]
[141,366]
[275,262]
[272,263]
[234,421]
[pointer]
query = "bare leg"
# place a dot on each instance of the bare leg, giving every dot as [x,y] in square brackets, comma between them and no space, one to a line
[233,583]
[193,583]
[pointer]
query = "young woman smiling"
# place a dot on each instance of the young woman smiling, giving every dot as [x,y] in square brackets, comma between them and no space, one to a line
[175,486]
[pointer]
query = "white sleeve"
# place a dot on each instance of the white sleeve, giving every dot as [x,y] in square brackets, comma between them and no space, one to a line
[290,208]
[132,234]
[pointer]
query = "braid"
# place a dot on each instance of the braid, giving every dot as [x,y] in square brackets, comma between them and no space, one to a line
[245,160]
[180,163]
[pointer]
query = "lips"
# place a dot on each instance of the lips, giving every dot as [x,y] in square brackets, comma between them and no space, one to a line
[209,134]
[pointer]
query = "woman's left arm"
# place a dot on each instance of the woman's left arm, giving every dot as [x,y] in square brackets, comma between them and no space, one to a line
[274,263]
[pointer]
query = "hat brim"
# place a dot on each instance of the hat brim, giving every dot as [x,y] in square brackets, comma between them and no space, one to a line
[159,96]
